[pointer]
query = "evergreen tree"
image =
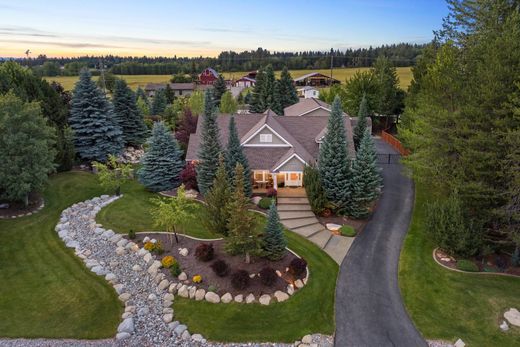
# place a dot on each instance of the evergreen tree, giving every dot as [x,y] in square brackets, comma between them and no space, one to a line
[27,153]
[228,104]
[235,155]
[140,94]
[169,94]
[210,148]
[219,88]
[256,101]
[159,103]
[217,199]
[286,90]
[242,238]
[334,162]
[366,179]
[96,132]
[127,115]
[361,125]
[277,99]
[162,162]
[268,89]
[196,102]
[65,146]
[240,98]
[314,189]
[274,239]
[390,97]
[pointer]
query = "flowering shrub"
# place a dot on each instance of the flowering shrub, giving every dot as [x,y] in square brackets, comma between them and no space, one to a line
[197,279]
[158,248]
[168,261]
[149,246]
[204,252]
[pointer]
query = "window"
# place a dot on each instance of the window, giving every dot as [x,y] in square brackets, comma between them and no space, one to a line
[266,138]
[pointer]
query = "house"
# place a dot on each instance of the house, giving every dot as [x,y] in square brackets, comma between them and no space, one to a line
[179,89]
[318,108]
[315,79]
[277,147]
[245,82]
[208,76]
[308,92]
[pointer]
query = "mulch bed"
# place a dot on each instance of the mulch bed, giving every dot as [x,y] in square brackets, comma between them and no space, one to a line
[488,265]
[192,266]
[357,224]
[18,208]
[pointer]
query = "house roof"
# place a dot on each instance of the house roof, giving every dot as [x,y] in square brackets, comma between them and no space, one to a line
[213,71]
[299,132]
[245,78]
[305,106]
[313,74]
[307,88]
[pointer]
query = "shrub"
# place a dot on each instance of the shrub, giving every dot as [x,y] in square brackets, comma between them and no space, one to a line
[268,276]
[204,252]
[197,279]
[168,261]
[189,177]
[240,279]
[212,288]
[515,258]
[298,266]
[265,203]
[158,248]
[131,234]
[220,268]
[347,230]
[467,265]
[271,193]
[175,269]
[501,263]
[149,246]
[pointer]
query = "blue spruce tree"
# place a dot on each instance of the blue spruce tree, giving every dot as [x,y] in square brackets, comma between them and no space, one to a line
[162,162]
[334,162]
[127,115]
[159,103]
[274,239]
[234,155]
[210,148]
[96,132]
[361,125]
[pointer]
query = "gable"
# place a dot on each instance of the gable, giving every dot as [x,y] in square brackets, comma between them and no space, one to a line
[318,112]
[266,137]
[293,164]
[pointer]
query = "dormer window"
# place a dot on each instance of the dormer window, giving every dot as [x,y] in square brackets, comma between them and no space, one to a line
[266,138]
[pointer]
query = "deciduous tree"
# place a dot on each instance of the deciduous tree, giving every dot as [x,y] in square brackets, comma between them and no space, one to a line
[228,104]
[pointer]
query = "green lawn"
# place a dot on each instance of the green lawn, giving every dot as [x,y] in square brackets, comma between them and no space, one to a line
[449,305]
[45,290]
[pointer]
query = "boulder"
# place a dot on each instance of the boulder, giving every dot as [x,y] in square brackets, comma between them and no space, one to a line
[191,292]
[119,288]
[504,326]
[281,296]
[183,252]
[256,199]
[265,299]
[122,243]
[333,226]
[212,297]
[179,329]
[290,289]
[124,297]
[239,298]
[110,277]
[137,267]
[127,315]
[130,308]
[163,284]
[183,292]
[200,294]
[147,257]
[173,288]
[307,339]
[98,270]
[226,298]
[298,284]
[168,297]
[120,251]
[186,335]
[250,298]
[197,338]
[183,276]
[146,239]
[167,318]
[142,252]
[116,238]
[167,310]
[459,343]
[513,317]
[126,326]
[152,297]
[122,336]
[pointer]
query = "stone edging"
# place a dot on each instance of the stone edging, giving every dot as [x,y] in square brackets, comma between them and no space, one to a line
[470,272]
[36,210]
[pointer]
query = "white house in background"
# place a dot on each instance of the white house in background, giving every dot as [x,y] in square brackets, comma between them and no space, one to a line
[308,92]
[245,82]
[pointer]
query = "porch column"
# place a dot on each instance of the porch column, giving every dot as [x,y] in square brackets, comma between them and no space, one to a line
[275,184]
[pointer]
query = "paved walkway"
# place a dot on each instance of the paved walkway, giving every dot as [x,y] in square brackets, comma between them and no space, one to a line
[296,214]
[369,307]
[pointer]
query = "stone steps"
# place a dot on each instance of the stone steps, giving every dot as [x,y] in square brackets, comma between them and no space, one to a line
[300,222]
[336,245]
[293,201]
[284,215]
[293,207]
[321,238]
[308,230]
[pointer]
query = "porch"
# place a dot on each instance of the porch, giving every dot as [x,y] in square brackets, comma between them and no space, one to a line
[288,181]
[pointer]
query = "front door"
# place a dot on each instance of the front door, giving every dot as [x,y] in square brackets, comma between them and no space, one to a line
[293,179]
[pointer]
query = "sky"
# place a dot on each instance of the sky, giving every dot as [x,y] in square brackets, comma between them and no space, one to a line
[205,28]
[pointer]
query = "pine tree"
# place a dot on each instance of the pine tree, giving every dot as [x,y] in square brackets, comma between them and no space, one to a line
[234,155]
[65,147]
[263,96]
[256,102]
[314,189]
[162,162]
[219,88]
[169,94]
[96,132]
[140,94]
[286,91]
[269,86]
[159,103]
[366,178]
[217,199]
[127,115]
[361,125]
[334,162]
[277,99]
[274,239]
[242,238]
[210,148]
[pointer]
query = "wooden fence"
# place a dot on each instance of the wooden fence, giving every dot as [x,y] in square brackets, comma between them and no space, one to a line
[395,143]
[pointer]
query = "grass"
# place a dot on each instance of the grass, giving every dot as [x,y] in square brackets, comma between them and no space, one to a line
[342,74]
[45,290]
[310,310]
[449,305]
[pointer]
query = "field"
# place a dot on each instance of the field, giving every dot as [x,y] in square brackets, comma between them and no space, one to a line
[342,74]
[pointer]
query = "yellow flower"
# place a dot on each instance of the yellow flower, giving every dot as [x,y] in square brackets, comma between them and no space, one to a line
[149,246]
[168,261]
[197,279]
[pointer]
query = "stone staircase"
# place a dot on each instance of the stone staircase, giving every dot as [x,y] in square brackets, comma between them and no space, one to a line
[296,214]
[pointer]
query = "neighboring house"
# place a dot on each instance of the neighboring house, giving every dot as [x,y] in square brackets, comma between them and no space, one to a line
[245,82]
[208,76]
[316,107]
[315,79]
[277,147]
[308,92]
[179,89]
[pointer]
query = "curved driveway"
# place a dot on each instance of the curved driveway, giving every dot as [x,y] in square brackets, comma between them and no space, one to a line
[369,308]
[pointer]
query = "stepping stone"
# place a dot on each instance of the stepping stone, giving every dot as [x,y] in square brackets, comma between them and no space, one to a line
[338,246]
[295,214]
[308,230]
[293,201]
[295,223]
[321,238]
[283,207]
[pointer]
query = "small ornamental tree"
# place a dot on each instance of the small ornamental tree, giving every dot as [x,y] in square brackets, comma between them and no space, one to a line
[96,132]
[274,239]
[361,125]
[219,88]
[187,126]
[209,149]
[159,103]
[366,179]
[228,104]
[127,115]
[242,238]
[172,213]
[234,155]
[217,199]
[189,176]
[162,162]
[334,162]
[112,174]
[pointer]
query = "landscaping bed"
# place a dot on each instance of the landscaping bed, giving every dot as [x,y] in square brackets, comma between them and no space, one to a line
[493,263]
[210,281]
[18,209]
[357,224]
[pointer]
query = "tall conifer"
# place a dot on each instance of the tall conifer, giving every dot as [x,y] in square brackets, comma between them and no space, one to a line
[274,238]
[234,155]
[128,115]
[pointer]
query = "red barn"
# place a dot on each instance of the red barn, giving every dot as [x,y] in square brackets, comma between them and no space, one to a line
[208,76]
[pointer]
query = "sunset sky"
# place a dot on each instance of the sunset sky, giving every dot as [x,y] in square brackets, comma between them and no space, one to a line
[193,28]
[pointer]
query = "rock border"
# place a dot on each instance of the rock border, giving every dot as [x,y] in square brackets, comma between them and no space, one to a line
[26,214]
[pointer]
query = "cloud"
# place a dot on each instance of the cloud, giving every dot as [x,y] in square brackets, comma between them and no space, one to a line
[149,40]
[24,31]
[63,44]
